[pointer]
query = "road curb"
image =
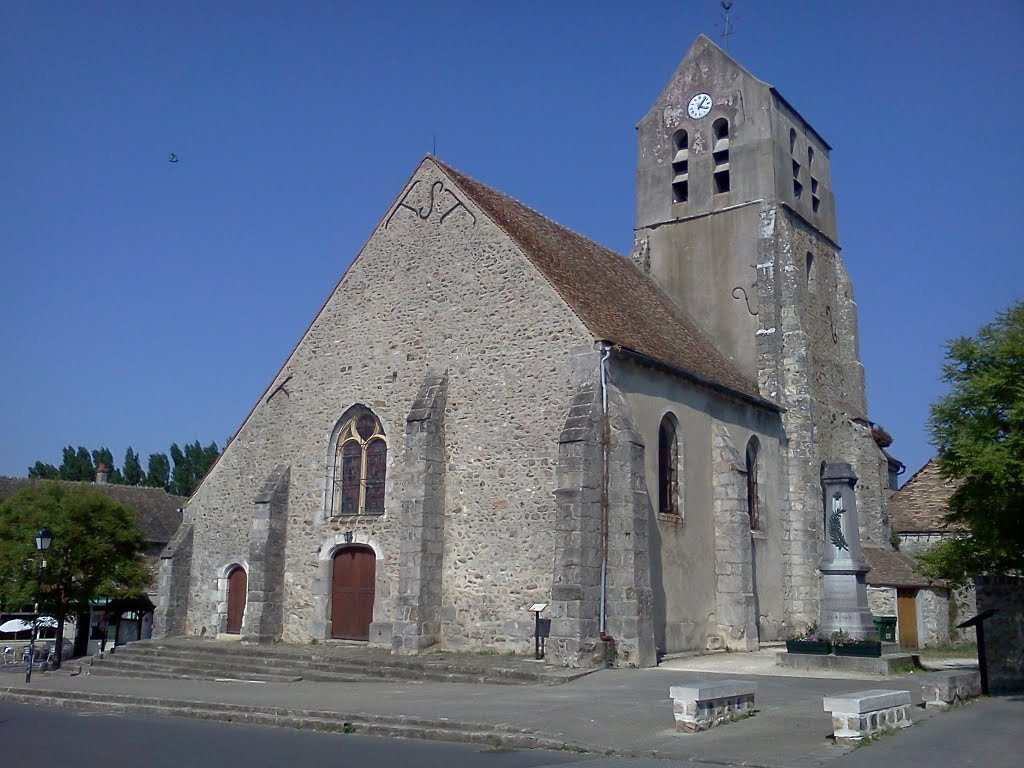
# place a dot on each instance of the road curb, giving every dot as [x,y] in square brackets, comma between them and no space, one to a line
[395,726]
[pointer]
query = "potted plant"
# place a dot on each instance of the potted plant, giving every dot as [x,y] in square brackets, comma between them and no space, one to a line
[809,641]
[844,645]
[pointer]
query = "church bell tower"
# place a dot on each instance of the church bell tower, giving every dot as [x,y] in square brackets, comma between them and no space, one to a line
[736,221]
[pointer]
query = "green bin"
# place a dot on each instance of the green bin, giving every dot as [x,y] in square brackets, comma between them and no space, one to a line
[886,626]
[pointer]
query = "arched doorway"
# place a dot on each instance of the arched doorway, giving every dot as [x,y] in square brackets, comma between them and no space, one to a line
[352,586]
[238,586]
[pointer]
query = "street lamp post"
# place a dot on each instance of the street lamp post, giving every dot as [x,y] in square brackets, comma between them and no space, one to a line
[43,539]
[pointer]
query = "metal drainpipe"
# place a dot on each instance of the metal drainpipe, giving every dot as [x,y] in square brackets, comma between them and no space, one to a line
[605,448]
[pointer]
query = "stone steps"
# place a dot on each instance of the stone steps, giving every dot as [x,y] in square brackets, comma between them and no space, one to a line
[254,662]
[502,736]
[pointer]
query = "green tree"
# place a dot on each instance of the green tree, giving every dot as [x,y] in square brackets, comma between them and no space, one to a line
[96,549]
[77,465]
[159,472]
[191,466]
[41,471]
[132,468]
[978,430]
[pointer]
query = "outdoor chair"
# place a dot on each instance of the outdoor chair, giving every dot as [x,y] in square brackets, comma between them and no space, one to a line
[8,654]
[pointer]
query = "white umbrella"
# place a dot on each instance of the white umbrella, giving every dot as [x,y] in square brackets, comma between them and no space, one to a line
[46,621]
[15,625]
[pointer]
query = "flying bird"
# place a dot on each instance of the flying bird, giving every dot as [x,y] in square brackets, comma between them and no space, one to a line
[173,158]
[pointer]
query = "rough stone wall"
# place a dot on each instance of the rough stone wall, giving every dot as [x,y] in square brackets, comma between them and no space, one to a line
[172,602]
[629,608]
[264,610]
[1004,632]
[736,612]
[576,583]
[437,287]
[418,616]
[933,614]
[584,448]
[882,601]
[785,376]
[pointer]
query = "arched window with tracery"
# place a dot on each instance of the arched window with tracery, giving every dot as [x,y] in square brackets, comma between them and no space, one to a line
[753,485]
[669,464]
[359,466]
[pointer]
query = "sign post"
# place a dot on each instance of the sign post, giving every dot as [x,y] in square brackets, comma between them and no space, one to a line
[541,629]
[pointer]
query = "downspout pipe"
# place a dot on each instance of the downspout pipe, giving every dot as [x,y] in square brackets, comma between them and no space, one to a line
[606,351]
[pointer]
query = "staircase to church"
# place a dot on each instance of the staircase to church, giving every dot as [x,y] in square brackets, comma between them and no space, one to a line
[195,659]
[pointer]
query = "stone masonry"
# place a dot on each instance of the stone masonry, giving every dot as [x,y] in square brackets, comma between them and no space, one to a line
[418,613]
[264,609]
[735,610]
[171,612]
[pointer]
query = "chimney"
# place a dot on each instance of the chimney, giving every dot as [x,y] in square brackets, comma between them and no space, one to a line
[101,474]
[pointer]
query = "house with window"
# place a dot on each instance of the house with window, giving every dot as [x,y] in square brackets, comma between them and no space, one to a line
[491,411]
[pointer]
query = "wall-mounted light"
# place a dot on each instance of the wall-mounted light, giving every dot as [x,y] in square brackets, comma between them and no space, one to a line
[348,537]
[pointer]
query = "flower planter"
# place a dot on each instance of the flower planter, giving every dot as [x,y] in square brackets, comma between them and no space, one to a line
[868,648]
[818,647]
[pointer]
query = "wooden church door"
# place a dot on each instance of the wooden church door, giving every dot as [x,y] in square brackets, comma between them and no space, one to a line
[352,587]
[237,589]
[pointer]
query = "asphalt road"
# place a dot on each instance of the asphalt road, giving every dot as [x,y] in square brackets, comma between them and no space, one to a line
[31,737]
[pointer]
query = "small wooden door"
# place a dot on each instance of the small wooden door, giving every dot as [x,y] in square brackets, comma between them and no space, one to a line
[237,589]
[906,617]
[352,587]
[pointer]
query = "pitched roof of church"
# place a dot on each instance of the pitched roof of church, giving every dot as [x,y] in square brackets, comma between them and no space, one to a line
[610,295]
[159,512]
[921,504]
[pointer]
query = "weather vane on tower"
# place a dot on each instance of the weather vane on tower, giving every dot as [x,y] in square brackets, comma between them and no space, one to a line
[727,22]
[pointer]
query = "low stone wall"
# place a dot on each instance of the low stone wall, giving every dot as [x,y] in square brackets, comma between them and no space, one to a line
[705,705]
[944,689]
[863,713]
[1004,632]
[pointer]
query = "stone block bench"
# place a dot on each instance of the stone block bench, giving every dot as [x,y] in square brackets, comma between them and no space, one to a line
[704,705]
[863,713]
[944,689]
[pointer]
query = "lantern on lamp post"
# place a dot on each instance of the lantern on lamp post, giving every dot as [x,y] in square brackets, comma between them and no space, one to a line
[43,540]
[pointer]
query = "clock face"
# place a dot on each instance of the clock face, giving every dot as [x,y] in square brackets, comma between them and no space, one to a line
[699,106]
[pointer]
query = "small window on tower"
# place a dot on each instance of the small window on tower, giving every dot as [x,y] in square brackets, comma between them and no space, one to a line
[680,167]
[792,141]
[720,154]
[810,275]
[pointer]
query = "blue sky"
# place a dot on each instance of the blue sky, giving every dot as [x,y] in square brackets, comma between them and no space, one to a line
[145,303]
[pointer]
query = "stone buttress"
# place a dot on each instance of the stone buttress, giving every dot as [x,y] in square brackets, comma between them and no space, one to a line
[417,622]
[264,609]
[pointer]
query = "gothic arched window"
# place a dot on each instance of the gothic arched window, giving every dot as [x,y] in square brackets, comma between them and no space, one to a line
[753,489]
[359,467]
[669,468]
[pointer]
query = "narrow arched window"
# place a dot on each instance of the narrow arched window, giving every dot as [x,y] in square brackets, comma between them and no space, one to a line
[753,486]
[680,167]
[360,465]
[720,154]
[669,468]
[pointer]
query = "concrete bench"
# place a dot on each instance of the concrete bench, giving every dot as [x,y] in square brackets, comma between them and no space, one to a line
[704,705]
[863,713]
[944,689]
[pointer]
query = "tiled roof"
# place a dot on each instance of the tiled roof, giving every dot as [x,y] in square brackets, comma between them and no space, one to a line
[159,512]
[890,568]
[920,505]
[610,295]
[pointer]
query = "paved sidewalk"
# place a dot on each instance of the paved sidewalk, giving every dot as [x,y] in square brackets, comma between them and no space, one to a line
[622,711]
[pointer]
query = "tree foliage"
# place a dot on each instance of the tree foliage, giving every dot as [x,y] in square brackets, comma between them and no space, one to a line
[132,474]
[978,431]
[96,549]
[190,466]
[158,474]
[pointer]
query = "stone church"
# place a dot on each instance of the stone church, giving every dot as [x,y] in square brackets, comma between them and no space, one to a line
[491,411]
